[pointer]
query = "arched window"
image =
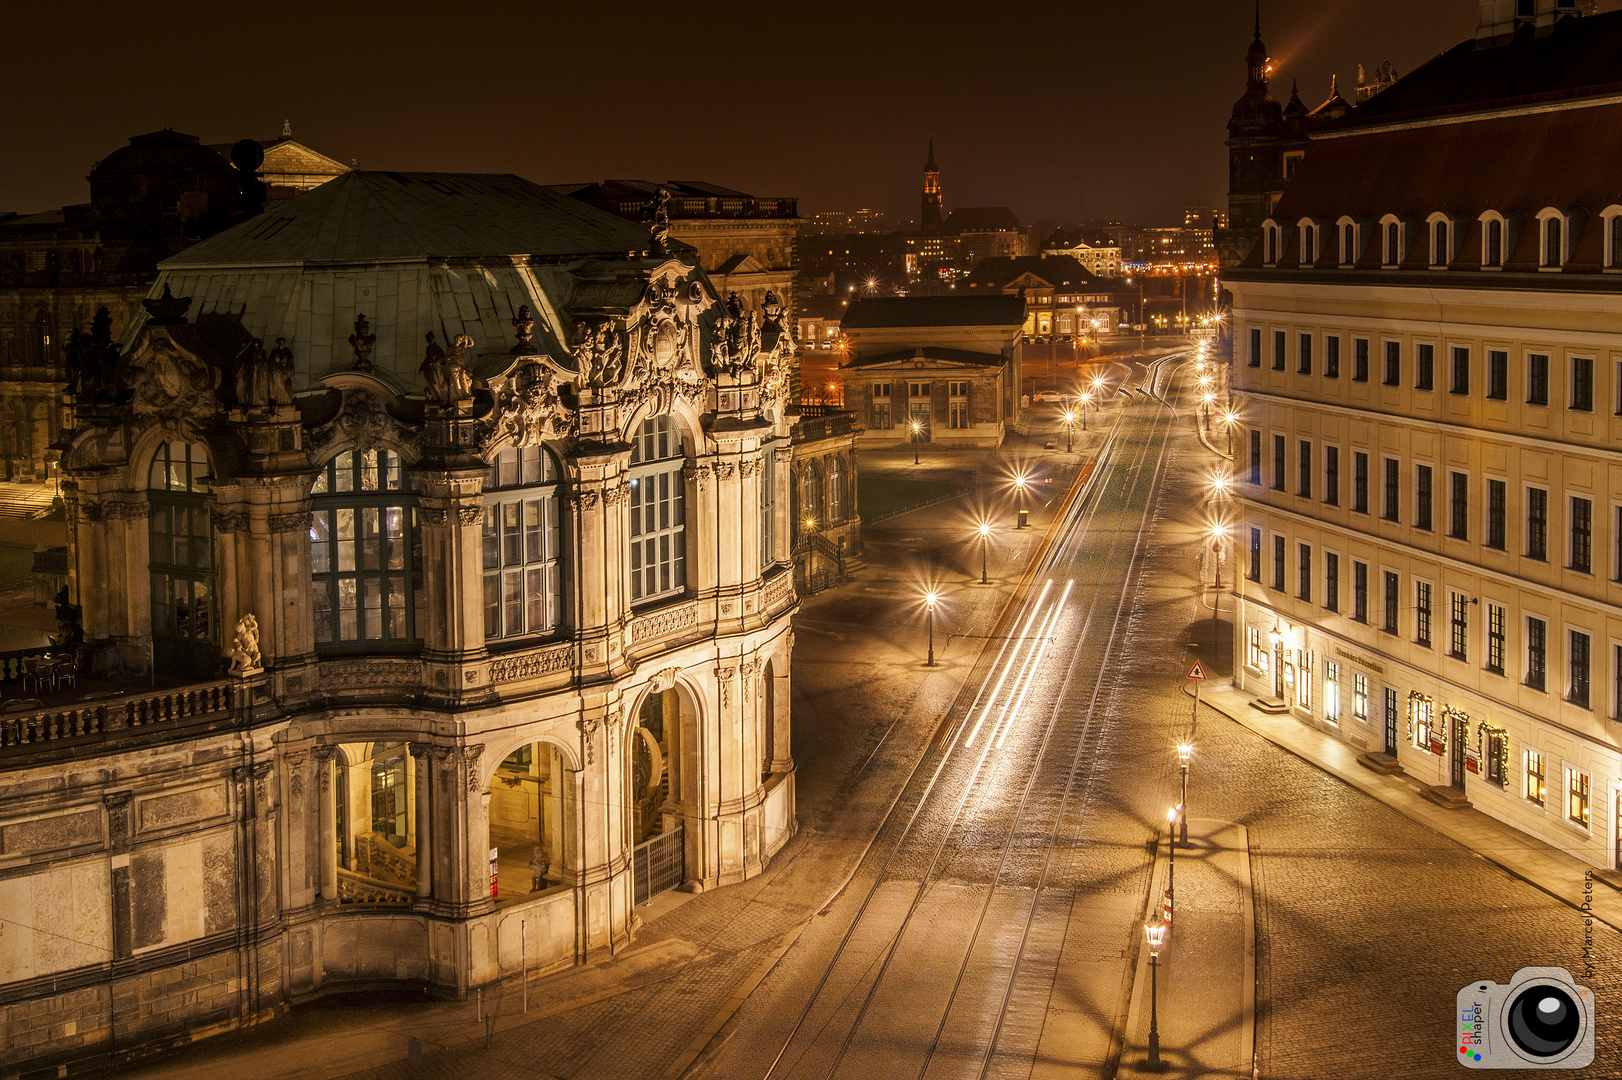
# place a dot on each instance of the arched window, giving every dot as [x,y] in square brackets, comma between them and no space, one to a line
[1272,245]
[185,622]
[1393,245]
[1441,250]
[768,508]
[1554,250]
[658,511]
[1348,244]
[1492,254]
[836,489]
[811,514]
[1613,241]
[523,584]
[365,551]
[1309,245]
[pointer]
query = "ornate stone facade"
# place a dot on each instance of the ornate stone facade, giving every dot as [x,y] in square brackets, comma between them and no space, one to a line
[414,542]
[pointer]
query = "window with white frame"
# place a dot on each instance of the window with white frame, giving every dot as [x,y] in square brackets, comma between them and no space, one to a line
[365,551]
[883,418]
[1332,691]
[1360,697]
[1552,247]
[658,511]
[1441,242]
[1492,241]
[1537,767]
[1272,244]
[838,490]
[1577,796]
[1612,218]
[1309,242]
[1348,243]
[1303,685]
[1256,655]
[958,404]
[523,581]
[1392,253]
[1423,710]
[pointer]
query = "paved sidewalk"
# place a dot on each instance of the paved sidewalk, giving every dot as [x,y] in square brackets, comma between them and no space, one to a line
[1528,858]
[1205,989]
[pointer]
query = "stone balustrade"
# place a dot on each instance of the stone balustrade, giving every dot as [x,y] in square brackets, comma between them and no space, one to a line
[196,702]
[779,591]
[356,888]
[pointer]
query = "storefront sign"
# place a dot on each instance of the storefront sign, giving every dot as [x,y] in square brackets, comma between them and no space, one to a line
[1360,660]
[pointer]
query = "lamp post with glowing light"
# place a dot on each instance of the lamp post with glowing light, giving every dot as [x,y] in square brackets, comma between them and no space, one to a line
[1086,401]
[1184,752]
[915,429]
[1172,816]
[1228,420]
[1069,431]
[1019,500]
[985,535]
[929,607]
[1156,933]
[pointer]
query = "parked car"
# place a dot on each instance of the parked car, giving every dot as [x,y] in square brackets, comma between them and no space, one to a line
[1048,395]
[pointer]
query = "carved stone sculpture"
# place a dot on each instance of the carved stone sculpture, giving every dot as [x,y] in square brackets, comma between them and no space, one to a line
[362,341]
[600,355]
[245,653]
[523,329]
[264,380]
[446,382]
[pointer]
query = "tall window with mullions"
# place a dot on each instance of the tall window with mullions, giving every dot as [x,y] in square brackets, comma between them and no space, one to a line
[365,551]
[185,624]
[768,508]
[658,511]
[523,589]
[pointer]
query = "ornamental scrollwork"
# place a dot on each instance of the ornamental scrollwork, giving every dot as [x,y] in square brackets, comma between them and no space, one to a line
[617,494]
[470,515]
[588,726]
[434,515]
[298,521]
[528,409]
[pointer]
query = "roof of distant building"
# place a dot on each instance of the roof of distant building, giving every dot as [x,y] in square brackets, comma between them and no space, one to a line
[370,216]
[965,357]
[633,199]
[1578,57]
[875,312]
[981,219]
[823,306]
[1059,271]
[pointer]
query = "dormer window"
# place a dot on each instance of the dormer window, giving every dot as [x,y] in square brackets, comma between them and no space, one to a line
[1391,242]
[1611,231]
[1552,240]
[1272,244]
[1492,241]
[1441,242]
[1348,243]
[1309,243]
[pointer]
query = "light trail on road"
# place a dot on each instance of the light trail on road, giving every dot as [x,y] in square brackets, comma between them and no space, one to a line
[943,909]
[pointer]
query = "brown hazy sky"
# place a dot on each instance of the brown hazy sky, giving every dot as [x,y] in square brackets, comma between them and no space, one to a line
[1088,108]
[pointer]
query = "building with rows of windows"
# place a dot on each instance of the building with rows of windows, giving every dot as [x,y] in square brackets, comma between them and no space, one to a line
[481,494]
[1429,372]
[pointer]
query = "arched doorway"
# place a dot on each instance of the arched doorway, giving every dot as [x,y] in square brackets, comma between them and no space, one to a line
[526,820]
[656,761]
[375,821]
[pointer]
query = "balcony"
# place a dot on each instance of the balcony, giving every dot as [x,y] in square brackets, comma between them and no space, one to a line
[823,422]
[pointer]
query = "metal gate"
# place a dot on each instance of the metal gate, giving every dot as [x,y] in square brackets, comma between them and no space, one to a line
[658,865]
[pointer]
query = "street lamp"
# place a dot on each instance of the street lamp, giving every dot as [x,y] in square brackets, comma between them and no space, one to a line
[1230,418]
[1156,932]
[1070,429]
[1184,752]
[929,606]
[985,535]
[1219,533]
[1019,499]
[915,429]
[1171,847]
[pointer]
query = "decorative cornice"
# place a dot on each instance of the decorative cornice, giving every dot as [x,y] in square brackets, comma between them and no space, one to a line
[230,521]
[434,516]
[617,494]
[299,521]
[470,515]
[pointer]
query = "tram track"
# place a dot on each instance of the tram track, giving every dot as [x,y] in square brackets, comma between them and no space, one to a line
[956,814]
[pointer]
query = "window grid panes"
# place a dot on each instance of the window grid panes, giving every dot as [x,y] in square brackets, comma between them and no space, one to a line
[1495,638]
[658,511]
[180,535]
[1581,660]
[1537,642]
[1582,535]
[522,541]
[365,551]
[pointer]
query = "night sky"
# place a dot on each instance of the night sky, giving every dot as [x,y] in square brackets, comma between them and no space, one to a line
[1082,109]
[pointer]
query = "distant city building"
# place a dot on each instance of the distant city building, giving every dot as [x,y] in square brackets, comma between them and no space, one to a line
[854,222]
[984,232]
[1175,248]
[1061,296]
[949,364]
[931,204]
[1426,364]
[148,200]
[821,316]
[1102,260]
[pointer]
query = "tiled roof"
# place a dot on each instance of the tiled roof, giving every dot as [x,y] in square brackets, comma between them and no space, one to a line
[1060,271]
[899,311]
[1578,57]
[823,306]
[365,216]
[965,357]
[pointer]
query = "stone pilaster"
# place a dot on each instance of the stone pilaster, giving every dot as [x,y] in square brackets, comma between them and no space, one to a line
[422,798]
[452,515]
[328,833]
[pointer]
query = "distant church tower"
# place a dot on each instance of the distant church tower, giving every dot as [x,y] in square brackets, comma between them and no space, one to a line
[929,217]
[1265,142]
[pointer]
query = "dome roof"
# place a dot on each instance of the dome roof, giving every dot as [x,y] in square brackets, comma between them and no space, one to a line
[161,152]
[1256,113]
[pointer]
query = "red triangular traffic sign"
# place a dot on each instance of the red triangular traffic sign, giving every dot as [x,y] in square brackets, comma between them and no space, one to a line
[1196,672]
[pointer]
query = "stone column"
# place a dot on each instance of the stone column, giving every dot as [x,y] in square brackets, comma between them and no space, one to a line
[328,861]
[780,719]
[424,813]
[452,514]
[118,840]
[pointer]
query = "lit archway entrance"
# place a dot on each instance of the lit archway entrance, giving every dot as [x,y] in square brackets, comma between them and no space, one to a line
[375,823]
[526,821]
[658,856]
